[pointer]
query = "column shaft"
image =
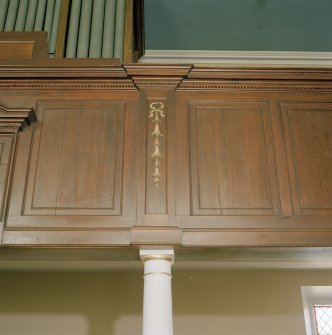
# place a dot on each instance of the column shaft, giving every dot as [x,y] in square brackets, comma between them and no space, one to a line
[157,304]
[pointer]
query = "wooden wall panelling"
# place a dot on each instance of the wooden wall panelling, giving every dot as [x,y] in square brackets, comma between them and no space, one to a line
[154,191]
[181,168]
[308,132]
[232,161]
[23,45]
[81,175]
[288,141]
[87,143]
[285,199]
[12,120]
[156,210]
[241,162]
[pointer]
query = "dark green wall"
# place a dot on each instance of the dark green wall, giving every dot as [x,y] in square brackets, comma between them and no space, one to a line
[286,25]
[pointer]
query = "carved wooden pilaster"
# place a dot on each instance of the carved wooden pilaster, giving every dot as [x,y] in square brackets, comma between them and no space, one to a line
[12,120]
[156,84]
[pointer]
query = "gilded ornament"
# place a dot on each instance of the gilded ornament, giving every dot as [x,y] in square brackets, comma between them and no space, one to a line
[156,113]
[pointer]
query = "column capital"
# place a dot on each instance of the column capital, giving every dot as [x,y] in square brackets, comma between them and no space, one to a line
[157,254]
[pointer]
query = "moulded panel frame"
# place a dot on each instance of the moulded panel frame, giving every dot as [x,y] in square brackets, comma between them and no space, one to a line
[21,215]
[264,119]
[289,109]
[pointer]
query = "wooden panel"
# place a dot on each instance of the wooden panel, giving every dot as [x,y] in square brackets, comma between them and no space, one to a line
[46,161]
[232,159]
[89,155]
[6,142]
[76,162]
[23,45]
[308,130]
[70,172]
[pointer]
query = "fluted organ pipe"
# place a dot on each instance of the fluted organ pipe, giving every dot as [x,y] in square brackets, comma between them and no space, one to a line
[55,25]
[96,37]
[31,15]
[11,15]
[49,19]
[109,29]
[40,15]
[3,14]
[21,15]
[119,28]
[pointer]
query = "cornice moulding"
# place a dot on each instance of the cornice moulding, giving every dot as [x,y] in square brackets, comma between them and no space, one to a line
[243,58]
[248,85]
[157,69]
[124,84]
[157,82]
[13,119]
[64,68]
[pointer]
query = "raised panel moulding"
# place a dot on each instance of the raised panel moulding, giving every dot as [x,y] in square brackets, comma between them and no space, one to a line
[257,58]
[87,142]
[309,146]
[223,137]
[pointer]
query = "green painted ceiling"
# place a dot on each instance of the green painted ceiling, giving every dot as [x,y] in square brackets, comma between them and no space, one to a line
[269,25]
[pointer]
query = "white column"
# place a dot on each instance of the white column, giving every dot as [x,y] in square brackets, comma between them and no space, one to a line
[157,303]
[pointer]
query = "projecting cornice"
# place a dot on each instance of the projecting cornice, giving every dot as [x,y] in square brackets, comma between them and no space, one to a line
[82,84]
[109,74]
[254,85]
[158,76]
[13,119]
[264,73]
[62,68]
[193,78]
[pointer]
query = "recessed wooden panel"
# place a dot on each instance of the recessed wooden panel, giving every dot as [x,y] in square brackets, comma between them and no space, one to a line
[232,159]
[76,161]
[5,154]
[308,129]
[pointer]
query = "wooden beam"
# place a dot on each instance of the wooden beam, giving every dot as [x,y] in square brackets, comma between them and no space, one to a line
[128,35]
[62,30]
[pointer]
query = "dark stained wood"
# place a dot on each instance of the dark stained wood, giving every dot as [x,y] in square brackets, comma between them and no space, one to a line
[154,235]
[232,159]
[6,144]
[263,238]
[158,70]
[309,144]
[88,145]
[128,47]
[243,162]
[82,174]
[266,73]
[205,190]
[12,120]
[64,68]
[286,206]
[275,147]
[92,151]
[86,238]
[156,156]
[156,196]
[18,45]
[62,27]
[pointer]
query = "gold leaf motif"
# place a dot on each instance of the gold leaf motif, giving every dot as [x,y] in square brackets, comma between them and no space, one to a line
[156,113]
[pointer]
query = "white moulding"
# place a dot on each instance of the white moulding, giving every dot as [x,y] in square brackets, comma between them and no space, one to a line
[255,58]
